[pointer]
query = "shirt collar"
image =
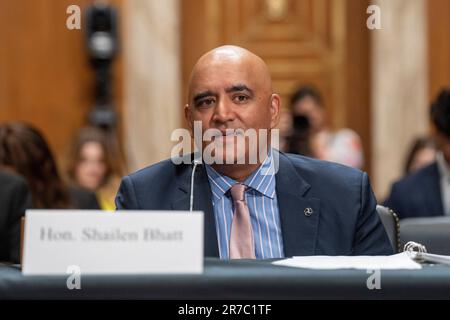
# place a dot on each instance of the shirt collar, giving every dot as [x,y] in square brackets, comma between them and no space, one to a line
[261,180]
[443,166]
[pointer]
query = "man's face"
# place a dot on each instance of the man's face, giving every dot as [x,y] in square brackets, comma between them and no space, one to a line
[231,94]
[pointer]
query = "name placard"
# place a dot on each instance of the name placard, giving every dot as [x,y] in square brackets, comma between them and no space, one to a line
[122,242]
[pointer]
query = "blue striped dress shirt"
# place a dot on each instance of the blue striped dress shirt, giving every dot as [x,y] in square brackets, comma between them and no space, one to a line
[261,200]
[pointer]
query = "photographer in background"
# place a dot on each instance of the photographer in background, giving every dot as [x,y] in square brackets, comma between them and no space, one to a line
[342,146]
[299,141]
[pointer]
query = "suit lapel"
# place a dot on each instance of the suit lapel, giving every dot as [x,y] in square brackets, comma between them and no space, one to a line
[202,202]
[299,215]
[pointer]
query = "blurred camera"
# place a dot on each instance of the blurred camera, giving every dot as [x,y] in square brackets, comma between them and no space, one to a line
[101,31]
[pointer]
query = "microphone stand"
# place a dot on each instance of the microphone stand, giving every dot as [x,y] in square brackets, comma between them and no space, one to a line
[196,162]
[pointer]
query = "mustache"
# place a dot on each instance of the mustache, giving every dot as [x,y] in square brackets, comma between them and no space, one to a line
[227,132]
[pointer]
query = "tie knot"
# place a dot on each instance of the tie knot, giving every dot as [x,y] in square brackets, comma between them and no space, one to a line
[237,192]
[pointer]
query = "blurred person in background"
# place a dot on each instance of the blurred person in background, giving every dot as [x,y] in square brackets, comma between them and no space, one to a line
[24,150]
[422,153]
[95,164]
[300,140]
[426,192]
[285,125]
[14,200]
[343,146]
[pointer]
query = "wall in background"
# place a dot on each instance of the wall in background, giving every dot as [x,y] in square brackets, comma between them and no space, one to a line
[399,87]
[45,77]
[151,79]
[320,42]
[410,65]
[438,45]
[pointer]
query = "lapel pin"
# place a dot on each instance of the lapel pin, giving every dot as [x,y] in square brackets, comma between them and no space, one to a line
[308,211]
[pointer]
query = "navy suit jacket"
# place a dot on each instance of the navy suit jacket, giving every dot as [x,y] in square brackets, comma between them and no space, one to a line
[344,219]
[418,194]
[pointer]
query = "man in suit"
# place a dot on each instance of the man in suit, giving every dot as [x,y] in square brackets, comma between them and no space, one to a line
[426,193]
[14,199]
[281,205]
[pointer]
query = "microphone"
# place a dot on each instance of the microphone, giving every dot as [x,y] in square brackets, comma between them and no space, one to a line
[196,162]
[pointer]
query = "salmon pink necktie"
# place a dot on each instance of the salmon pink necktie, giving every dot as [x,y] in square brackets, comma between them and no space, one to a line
[241,239]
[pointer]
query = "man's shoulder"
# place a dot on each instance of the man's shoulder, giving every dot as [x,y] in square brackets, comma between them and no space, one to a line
[305,166]
[320,169]
[415,180]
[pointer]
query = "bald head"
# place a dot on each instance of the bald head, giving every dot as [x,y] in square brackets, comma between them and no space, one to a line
[231,88]
[231,59]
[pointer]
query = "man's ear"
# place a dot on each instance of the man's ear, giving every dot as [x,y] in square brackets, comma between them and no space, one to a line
[275,104]
[188,117]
